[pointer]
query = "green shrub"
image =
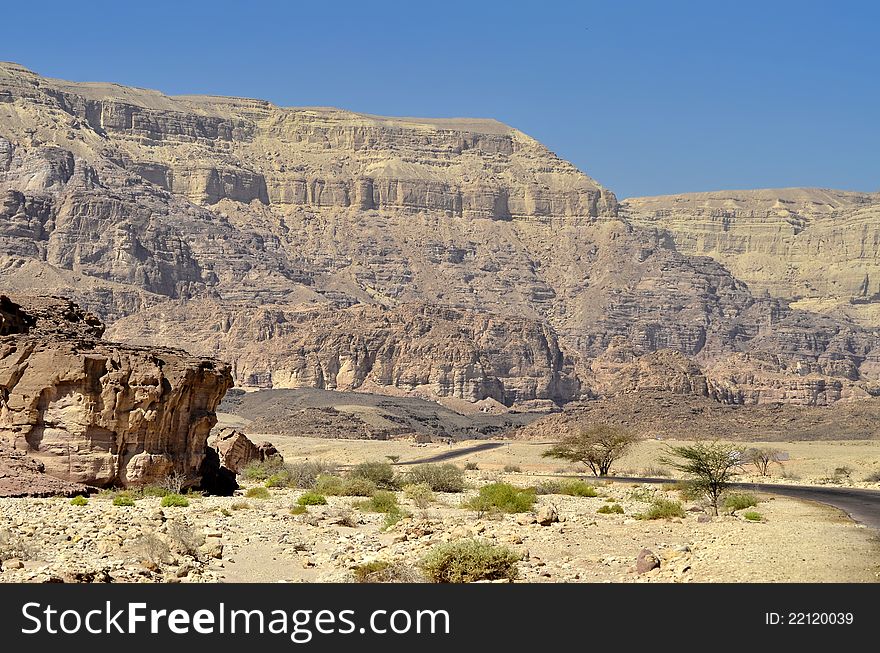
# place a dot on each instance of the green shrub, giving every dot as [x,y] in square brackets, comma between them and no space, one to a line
[509,469]
[380,473]
[471,466]
[420,494]
[663,509]
[240,505]
[392,517]
[175,500]
[466,561]
[123,499]
[79,501]
[440,478]
[262,470]
[741,501]
[303,474]
[611,509]
[278,480]
[298,510]
[312,499]
[329,485]
[503,497]
[751,515]
[577,488]
[687,490]
[381,501]
[344,487]
[654,472]
[153,491]
[258,492]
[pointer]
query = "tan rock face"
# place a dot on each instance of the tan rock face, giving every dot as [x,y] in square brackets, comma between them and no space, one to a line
[236,450]
[328,249]
[98,413]
[813,246]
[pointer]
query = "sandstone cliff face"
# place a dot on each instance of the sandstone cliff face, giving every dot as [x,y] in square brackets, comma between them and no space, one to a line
[323,248]
[819,248]
[439,352]
[98,413]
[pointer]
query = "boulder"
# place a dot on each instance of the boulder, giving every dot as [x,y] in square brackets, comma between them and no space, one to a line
[646,561]
[547,514]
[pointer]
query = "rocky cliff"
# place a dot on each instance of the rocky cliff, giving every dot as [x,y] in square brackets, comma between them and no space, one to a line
[315,247]
[95,412]
[815,247]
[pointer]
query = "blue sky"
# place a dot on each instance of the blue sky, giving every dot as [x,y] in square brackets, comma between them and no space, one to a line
[647,97]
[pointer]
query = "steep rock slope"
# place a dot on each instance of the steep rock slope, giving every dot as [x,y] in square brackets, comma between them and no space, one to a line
[99,413]
[324,248]
[819,248]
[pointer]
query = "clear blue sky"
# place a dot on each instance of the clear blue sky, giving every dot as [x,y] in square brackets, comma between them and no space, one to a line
[647,97]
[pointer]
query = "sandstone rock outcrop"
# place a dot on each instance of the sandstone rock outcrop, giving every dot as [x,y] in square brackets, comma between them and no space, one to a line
[236,450]
[324,248]
[99,413]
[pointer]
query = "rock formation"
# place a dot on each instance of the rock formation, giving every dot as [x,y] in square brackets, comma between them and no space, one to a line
[816,247]
[236,450]
[99,413]
[458,258]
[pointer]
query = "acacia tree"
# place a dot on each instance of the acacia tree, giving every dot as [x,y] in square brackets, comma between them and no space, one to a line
[709,466]
[762,459]
[597,447]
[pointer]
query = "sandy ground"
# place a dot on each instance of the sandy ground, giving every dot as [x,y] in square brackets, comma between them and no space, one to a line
[808,463]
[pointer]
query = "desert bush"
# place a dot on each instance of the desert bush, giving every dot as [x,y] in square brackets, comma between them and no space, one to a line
[502,497]
[751,515]
[471,466]
[549,486]
[184,538]
[153,491]
[420,494]
[312,499]
[381,501]
[123,499]
[172,483]
[873,477]
[380,473]
[357,487]
[298,510]
[509,469]
[655,472]
[762,459]
[382,571]
[842,472]
[261,470]
[574,487]
[740,501]
[663,509]
[239,505]
[303,474]
[151,549]
[640,494]
[79,501]
[393,459]
[392,517]
[258,492]
[175,501]
[440,478]
[611,509]
[277,480]
[466,561]
[329,485]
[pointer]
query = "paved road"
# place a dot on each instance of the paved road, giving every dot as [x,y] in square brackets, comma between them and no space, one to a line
[453,453]
[862,505]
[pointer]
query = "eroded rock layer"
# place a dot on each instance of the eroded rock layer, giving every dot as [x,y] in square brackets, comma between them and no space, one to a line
[321,248]
[99,413]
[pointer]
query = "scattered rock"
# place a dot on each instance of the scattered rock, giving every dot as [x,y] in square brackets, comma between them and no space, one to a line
[547,515]
[646,561]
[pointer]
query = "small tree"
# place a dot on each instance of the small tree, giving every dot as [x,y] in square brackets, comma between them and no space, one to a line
[597,447]
[709,466]
[762,459]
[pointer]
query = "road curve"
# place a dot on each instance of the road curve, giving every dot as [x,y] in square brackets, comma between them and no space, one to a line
[861,505]
[455,453]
